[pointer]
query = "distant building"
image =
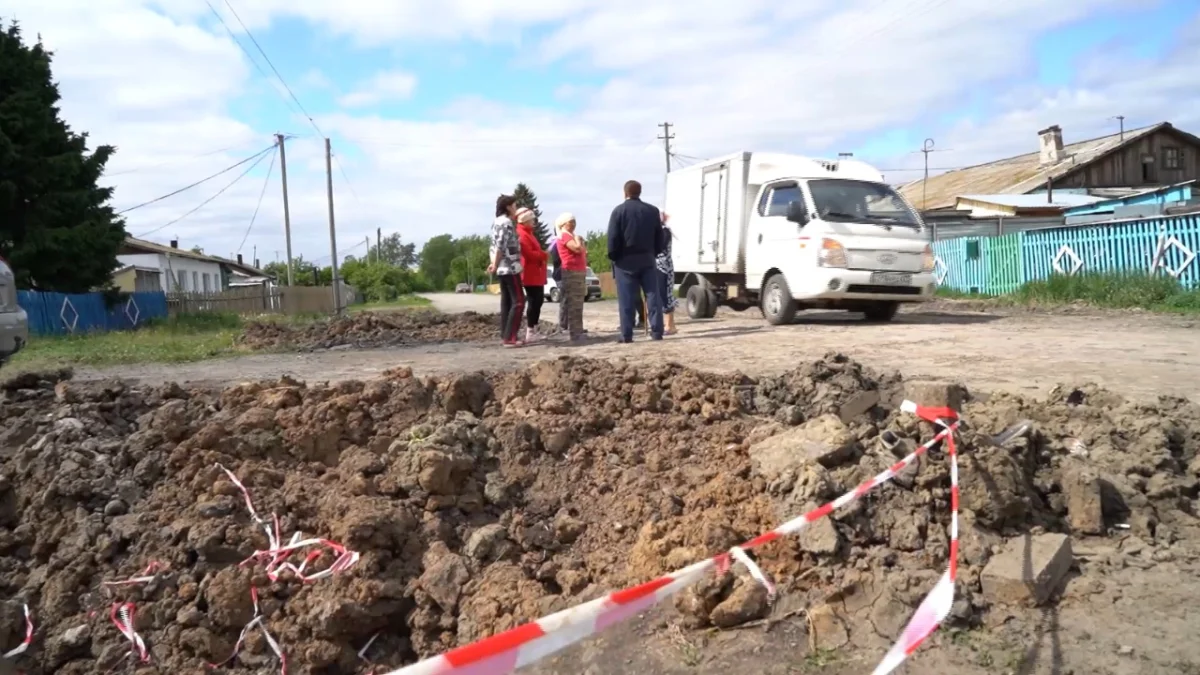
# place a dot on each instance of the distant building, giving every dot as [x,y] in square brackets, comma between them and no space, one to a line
[1058,177]
[180,270]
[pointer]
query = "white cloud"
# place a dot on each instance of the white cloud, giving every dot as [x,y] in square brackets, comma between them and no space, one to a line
[384,86]
[814,77]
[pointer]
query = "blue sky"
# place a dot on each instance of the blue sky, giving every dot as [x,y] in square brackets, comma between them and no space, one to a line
[875,77]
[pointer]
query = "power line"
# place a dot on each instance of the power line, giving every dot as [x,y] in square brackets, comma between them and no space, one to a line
[148,167]
[273,68]
[249,56]
[346,178]
[204,203]
[266,182]
[258,155]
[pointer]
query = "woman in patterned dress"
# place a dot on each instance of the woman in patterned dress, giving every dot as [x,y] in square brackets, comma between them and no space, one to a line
[666,273]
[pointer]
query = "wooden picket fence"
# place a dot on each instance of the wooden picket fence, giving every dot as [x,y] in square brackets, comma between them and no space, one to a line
[256,300]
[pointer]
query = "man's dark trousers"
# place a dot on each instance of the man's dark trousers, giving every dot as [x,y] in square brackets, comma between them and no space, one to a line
[629,282]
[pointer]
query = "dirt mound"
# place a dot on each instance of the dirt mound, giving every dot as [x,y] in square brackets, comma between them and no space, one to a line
[478,502]
[372,330]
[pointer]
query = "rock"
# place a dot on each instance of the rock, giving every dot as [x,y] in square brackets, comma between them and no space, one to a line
[935,394]
[567,529]
[1029,569]
[1081,486]
[747,602]
[821,537]
[116,507]
[71,643]
[444,578]
[858,404]
[829,630]
[487,543]
[825,440]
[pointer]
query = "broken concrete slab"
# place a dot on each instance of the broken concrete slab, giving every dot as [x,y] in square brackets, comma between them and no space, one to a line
[1028,570]
[858,404]
[1081,486]
[935,394]
[825,440]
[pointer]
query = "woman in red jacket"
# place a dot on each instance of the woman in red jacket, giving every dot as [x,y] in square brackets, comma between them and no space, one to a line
[533,262]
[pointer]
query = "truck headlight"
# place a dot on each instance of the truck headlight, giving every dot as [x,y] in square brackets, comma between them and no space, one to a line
[832,254]
[928,260]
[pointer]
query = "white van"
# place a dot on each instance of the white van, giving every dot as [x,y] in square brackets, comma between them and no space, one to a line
[787,233]
[593,291]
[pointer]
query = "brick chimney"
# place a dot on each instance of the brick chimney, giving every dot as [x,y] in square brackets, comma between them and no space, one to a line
[240,259]
[1051,145]
[174,243]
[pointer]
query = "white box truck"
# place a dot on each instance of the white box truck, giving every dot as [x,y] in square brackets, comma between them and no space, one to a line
[786,233]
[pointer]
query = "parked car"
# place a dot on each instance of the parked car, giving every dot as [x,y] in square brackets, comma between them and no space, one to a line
[462,288]
[14,323]
[593,286]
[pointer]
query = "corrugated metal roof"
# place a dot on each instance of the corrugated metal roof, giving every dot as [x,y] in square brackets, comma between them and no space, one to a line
[1038,200]
[1015,175]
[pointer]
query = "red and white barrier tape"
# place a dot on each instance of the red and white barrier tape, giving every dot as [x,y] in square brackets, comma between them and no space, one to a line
[144,577]
[20,649]
[277,553]
[258,621]
[505,652]
[121,615]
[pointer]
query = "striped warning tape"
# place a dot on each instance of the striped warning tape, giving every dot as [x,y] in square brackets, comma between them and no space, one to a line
[505,652]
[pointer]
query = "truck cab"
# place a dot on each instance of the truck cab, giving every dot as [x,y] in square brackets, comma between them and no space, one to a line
[788,233]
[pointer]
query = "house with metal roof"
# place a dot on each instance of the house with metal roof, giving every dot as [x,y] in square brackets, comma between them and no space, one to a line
[1111,166]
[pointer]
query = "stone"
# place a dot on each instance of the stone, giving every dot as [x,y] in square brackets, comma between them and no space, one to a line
[825,440]
[1085,510]
[567,528]
[858,404]
[747,602]
[1028,570]
[444,578]
[487,543]
[935,394]
[821,537]
[827,628]
[116,508]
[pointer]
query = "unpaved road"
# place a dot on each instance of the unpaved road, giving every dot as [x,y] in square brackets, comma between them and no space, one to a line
[1140,355]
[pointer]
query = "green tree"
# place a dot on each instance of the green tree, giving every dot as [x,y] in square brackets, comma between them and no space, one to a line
[597,251]
[436,258]
[56,227]
[302,270]
[526,199]
[393,251]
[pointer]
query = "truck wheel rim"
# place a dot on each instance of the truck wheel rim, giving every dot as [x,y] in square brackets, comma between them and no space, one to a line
[775,301]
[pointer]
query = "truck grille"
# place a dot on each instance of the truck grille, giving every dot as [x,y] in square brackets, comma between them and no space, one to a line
[869,259]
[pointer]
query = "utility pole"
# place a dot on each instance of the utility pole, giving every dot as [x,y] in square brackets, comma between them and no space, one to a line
[926,148]
[378,243]
[1121,120]
[337,291]
[666,138]
[287,214]
[368,240]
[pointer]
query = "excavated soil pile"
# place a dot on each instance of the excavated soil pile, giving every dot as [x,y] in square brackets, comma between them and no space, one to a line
[479,502]
[371,330]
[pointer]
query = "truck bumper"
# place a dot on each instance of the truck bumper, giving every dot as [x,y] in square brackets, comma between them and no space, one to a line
[832,286]
[14,333]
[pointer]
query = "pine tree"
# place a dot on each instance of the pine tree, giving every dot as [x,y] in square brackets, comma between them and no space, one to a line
[56,227]
[526,199]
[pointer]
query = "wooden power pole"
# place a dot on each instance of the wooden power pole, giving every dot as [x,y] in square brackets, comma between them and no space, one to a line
[666,139]
[337,291]
[287,214]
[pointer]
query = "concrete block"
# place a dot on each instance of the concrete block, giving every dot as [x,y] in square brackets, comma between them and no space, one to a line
[935,394]
[858,404]
[1081,486]
[1028,570]
[825,439]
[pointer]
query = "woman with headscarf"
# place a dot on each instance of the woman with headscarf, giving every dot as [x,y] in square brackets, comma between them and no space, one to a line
[533,276]
[666,272]
[573,253]
[506,265]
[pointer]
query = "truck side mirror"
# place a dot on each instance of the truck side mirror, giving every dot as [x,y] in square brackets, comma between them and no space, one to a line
[796,212]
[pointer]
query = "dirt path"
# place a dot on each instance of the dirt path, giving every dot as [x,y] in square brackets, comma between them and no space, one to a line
[1139,355]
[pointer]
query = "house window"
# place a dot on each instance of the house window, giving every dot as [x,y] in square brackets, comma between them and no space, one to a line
[207,287]
[195,281]
[1172,158]
[973,249]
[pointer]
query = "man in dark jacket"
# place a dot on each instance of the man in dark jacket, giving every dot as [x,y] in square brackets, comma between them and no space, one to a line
[634,241]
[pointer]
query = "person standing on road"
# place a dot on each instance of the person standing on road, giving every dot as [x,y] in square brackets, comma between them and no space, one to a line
[574,274]
[556,263]
[533,275]
[506,265]
[666,271]
[634,243]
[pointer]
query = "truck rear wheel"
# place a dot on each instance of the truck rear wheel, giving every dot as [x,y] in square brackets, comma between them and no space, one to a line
[778,305]
[697,303]
[882,311]
[713,303]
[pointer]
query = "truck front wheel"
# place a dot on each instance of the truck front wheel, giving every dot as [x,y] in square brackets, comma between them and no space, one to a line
[882,311]
[778,306]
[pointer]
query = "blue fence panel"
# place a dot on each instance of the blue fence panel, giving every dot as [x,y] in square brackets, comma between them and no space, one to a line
[1122,246]
[960,270]
[64,314]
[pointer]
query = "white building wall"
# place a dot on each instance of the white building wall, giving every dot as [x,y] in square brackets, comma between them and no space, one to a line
[179,273]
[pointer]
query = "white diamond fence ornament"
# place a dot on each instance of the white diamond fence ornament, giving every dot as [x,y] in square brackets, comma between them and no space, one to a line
[1073,259]
[939,270]
[72,322]
[1161,257]
[132,311]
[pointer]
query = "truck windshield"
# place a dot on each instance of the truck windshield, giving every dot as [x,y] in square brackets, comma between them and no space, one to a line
[840,200]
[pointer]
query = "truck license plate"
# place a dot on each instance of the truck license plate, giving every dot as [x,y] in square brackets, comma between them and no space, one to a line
[891,278]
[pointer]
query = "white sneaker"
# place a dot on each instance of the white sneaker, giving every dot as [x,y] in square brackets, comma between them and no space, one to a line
[532,335]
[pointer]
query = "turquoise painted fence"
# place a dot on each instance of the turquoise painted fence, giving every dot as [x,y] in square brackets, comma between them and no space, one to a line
[999,265]
[76,313]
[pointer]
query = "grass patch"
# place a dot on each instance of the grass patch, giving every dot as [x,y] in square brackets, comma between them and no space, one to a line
[1109,290]
[178,339]
[402,302]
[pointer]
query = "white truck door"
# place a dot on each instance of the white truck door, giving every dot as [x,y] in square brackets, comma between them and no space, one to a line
[774,241]
[714,213]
